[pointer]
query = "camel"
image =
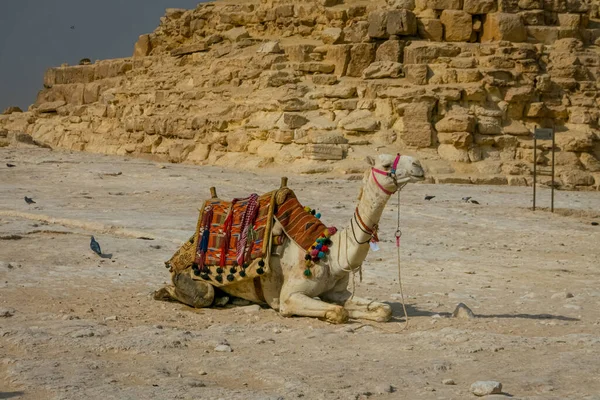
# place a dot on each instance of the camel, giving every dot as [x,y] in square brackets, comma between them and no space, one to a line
[325,294]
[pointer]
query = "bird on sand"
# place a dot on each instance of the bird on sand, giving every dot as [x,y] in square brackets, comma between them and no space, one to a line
[9,165]
[29,200]
[429,197]
[95,246]
[466,199]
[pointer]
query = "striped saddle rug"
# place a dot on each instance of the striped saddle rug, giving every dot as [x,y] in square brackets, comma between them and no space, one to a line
[233,240]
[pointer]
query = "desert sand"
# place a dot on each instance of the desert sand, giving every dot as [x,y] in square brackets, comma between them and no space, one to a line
[74,325]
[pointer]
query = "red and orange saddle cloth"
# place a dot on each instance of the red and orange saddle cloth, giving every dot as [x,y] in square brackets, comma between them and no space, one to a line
[232,242]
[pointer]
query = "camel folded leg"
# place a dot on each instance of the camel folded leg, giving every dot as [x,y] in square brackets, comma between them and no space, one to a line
[360,308]
[304,306]
[188,291]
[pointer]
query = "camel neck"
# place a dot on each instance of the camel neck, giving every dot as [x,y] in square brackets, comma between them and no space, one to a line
[352,243]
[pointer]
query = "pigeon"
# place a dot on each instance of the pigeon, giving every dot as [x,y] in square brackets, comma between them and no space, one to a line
[473,202]
[29,200]
[466,199]
[95,246]
[10,165]
[429,197]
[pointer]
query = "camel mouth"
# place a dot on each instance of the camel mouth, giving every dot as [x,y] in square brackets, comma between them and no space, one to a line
[419,176]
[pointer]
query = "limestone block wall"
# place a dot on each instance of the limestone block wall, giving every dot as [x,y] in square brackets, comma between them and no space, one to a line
[316,85]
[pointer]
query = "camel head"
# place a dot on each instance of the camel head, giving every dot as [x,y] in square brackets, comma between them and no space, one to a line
[391,172]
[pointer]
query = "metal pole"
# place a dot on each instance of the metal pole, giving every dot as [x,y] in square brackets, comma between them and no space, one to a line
[534,166]
[552,196]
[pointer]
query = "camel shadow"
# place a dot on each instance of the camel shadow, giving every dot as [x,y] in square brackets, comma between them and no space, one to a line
[398,314]
[10,395]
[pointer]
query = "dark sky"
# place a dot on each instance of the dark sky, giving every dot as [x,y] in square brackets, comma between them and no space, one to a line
[36,34]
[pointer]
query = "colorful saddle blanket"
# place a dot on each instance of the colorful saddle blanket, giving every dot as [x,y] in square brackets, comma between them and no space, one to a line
[232,242]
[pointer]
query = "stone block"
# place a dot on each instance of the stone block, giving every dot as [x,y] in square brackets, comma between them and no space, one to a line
[543,34]
[456,139]
[479,6]
[236,34]
[360,121]
[340,92]
[51,107]
[431,29]
[271,47]
[590,162]
[575,141]
[503,26]
[382,69]
[142,47]
[531,4]
[357,32]
[283,137]
[377,24]
[458,25]
[401,22]
[323,152]
[414,128]
[299,52]
[316,67]
[190,49]
[324,79]
[456,123]
[428,53]
[569,20]
[339,56]
[450,153]
[390,50]
[297,104]
[294,121]
[534,17]
[444,4]
[489,125]
[416,74]
[332,35]
[361,56]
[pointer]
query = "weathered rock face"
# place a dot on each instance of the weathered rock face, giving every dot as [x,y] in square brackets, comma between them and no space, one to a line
[462,82]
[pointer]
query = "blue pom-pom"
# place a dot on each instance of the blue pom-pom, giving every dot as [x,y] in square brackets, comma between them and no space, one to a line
[318,215]
[321,254]
[319,247]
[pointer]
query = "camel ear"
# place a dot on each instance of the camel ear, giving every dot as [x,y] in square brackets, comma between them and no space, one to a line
[370,160]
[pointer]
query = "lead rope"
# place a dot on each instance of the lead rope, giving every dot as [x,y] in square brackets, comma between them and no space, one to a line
[398,235]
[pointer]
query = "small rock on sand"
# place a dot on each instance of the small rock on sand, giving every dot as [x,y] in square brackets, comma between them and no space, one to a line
[463,312]
[483,388]
[384,388]
[562,295]
[6,312]
[448,382]
[223,348]
[253,309]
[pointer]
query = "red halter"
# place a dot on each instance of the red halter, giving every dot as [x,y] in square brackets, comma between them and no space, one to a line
[391,174]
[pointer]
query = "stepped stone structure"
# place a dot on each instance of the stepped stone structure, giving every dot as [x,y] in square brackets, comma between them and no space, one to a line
[314,85]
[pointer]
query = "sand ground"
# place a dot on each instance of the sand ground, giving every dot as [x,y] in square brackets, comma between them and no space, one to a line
[73,325]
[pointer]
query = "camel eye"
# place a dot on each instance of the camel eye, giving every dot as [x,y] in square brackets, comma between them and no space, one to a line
[386,165]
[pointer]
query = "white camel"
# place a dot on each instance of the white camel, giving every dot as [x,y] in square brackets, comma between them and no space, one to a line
[325,295]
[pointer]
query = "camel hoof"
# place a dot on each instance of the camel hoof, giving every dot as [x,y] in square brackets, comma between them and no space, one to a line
[384,313]
[338,316]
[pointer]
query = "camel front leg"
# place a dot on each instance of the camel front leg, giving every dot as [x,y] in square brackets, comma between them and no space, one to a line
[360,308]
[302,305]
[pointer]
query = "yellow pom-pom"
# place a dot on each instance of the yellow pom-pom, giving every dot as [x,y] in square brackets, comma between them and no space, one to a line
[307,208]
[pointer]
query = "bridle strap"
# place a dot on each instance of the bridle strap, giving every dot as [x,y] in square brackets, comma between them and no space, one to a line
[391,174]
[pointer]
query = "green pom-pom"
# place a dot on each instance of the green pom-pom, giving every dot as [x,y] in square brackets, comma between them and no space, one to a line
[307,272]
